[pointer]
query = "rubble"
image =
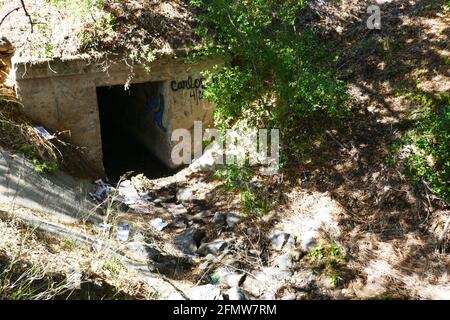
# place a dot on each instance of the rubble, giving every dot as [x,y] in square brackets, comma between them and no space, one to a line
[283,262]
[214,247]
[206,292]
[185,195]
[189,240]
[281,239]
[236,293]
[233,219]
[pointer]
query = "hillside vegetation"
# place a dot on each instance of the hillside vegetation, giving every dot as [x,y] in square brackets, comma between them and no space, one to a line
[363,193]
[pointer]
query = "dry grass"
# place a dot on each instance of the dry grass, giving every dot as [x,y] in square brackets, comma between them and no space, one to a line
[74,28]
[37,265]
[18,134]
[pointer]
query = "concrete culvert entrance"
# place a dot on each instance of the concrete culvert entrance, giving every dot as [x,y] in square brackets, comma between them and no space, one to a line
[127,118]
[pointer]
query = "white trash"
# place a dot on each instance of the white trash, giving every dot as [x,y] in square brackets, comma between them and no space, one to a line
[123,232]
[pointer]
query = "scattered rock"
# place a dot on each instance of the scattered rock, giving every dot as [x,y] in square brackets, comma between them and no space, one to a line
[159,224]
[303,279]
[266,283]
[213,247]
[210,257]
[253,286]
[230,261]
[281,239]
[189,240]
[142,251]
[185,195]
[203,217]
[219,218]
[283,262]
[180,222]
[206,292]
[175,210]
[308,240]
[250,231]
[236,293]
[232,279]
[271,274]
[289,296]
[233,219]
[167,198]
[296,255]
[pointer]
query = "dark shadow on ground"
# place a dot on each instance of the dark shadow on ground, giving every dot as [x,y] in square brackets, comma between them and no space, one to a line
[351,163]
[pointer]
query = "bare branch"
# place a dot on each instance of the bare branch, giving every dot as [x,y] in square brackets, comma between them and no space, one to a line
[6,15]
[28,15]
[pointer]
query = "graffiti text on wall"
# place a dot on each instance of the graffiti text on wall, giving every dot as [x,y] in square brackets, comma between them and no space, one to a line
[195,86]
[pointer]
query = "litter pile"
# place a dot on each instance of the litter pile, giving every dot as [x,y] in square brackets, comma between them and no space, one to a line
[125,194]
[181,232]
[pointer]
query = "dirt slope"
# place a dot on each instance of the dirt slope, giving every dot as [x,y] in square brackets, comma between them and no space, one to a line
[388,225]
[82,28]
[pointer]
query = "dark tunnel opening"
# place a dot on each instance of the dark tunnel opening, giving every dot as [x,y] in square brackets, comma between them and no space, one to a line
[122,115]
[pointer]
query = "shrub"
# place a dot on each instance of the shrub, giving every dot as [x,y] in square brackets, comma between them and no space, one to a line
[276,70]
[428,144]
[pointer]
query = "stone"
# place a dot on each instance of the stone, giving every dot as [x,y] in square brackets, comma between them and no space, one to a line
[210,257]
[283,262]
[202,217]
[219,218]
[205,292]
[232,279]
[281,239]
[185,195]
[189,240]
[175,210]
[265,284]
[142,251]
[214,247]
[233,219]
[271,274]
[253,286]
[289,296]
[236,293]
[308,241]
[180,222]
[296,254]
[303,279]
[250,231]
[159,224]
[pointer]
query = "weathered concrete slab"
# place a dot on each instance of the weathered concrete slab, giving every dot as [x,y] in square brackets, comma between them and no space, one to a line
[61,94]
[61,196]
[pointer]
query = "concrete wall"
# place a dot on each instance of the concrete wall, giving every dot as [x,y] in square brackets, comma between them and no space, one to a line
[62,95]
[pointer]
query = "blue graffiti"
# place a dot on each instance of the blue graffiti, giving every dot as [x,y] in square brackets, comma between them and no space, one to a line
[157,110]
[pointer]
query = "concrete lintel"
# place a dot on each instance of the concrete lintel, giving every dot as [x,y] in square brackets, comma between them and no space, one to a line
[26,68]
